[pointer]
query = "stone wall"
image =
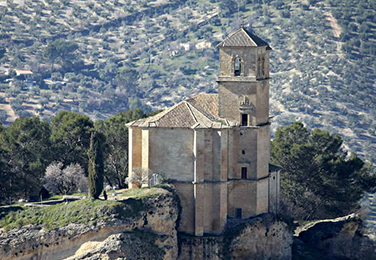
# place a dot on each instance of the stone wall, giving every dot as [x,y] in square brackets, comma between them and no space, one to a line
[205,166]
[171,152]
[247,55]
[263,151]
[229,94]
[263,101]
[242,194]
[135,148]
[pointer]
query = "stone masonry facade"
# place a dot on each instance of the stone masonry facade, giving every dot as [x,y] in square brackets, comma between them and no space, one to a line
[215,148]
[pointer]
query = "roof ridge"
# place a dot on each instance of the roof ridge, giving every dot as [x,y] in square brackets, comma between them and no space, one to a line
[190,111]
[247,34]
[243,38]
[198,110]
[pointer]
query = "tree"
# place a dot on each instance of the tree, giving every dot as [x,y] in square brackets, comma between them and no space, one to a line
[139,177]
[228,6]
[70,137]
[96,165]
[61,50]
[65,181]
[27,150]
[2,52]
[319,179]
[116,133]
[127,78]
[8,180]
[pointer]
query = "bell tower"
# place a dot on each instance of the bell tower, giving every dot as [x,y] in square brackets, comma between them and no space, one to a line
[244,79]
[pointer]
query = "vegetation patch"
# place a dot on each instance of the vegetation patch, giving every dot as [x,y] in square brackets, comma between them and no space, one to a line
[140,193]
[50,217]
[86,211]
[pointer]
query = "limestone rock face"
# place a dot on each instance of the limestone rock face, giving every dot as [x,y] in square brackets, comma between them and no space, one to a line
[130,246]
[261,238]
[340,238]
[156,221]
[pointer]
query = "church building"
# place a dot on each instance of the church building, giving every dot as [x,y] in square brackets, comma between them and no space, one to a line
[215,148]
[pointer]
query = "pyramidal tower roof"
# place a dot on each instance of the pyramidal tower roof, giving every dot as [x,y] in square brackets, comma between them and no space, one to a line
[243,38]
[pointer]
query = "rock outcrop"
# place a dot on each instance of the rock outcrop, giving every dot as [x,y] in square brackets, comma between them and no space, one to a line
[341,238]
[260,238]
[155,219]
[148,232]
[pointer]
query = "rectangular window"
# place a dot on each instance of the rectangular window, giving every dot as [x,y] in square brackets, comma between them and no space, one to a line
[238,67]
[238,213]
[244,120]
[244,173]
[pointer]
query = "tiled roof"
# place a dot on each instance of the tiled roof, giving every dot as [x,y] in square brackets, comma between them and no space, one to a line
[243,38]
[207,104]
[200,111]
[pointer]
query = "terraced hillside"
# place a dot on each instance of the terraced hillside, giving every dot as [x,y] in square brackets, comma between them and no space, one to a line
[155,53]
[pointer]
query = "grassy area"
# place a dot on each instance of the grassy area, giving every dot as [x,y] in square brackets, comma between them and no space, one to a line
[140,193]
[51,217]
[59,197]
[86,211]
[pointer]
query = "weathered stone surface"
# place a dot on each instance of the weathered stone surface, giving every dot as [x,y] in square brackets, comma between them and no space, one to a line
[130,246]
[261,238]
[33,243]
[340,238]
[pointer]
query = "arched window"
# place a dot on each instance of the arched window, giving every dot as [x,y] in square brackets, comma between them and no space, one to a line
[237,67]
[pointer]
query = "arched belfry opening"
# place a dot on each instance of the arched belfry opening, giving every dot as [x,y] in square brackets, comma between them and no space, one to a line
[237,66]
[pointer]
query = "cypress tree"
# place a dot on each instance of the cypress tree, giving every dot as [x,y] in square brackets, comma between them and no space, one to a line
[96,166]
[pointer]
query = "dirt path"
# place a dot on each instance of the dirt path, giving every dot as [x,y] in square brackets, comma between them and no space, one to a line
[333,23]
[336,30]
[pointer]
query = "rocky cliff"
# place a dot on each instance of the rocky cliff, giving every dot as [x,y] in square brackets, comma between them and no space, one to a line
[148,232]
[146,229]
[342,238]
[260,238]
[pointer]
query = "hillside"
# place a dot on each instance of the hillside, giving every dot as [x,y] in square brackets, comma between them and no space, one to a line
[159,52]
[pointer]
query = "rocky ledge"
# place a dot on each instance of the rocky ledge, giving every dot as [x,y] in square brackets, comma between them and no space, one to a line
[142,227]
[343,238]
[147,230]
[260,238]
